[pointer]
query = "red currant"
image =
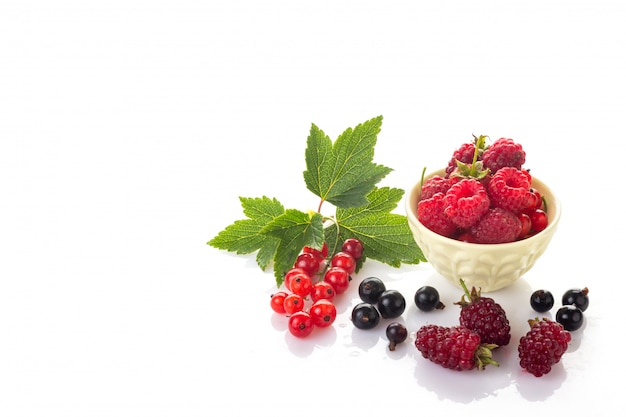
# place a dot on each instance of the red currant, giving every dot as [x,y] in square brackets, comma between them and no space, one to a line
[344,260]
[301,284]
[320,255]
[322,290]
[308,262]
[301,324]
[539,220]
[323,313]
[526,225]
[290,274]
[293,303]
[277,302]
[338,278]
[539,199]
[354,247]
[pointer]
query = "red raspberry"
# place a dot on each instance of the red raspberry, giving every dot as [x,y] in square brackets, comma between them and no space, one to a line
[433,185]
[453,347]
[466,202]
[430,214]
[497,226]
[509,188]
[464,154]
[503,153]
[485,317]
[543,346]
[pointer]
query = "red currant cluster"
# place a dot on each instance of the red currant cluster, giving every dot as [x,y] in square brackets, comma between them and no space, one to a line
[312,284]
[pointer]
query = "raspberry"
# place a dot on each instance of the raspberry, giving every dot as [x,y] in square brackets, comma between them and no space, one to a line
[464,154]
[543,346]
[509,188]
[455,347]
[503,153]
[485,317]
[433,185]
[466,202]
[497,226]
[430,214]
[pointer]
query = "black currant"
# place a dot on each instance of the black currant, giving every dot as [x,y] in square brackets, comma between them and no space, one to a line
[391,304]
[541,301]
[577,297]
[365,316]
[370,289]
[570,317]
[427,299]
[396,334]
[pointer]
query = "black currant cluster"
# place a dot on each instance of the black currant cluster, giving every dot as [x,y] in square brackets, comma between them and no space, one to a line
[378,302]
[574,302]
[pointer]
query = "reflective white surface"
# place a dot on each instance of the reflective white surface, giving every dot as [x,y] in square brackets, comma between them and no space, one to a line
[129,130]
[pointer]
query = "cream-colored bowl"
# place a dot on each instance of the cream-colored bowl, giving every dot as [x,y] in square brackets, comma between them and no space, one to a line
[486,266]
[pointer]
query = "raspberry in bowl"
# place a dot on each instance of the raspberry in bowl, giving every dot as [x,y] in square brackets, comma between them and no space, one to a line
[487,227]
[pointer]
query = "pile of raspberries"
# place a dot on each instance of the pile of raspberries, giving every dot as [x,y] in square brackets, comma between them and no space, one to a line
[485,196]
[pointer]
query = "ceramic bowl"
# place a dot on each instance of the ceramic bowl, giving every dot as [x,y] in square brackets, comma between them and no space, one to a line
[486,266]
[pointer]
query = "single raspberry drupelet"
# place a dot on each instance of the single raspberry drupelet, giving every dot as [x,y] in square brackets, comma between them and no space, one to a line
[464,154]
[485,317]
[430,214]
[509,188]
[503,152]
[497,226]
[455,347]
[433,185]
[543,346]
[466,202]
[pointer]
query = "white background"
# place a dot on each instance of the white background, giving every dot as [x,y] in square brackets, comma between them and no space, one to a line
[129,129]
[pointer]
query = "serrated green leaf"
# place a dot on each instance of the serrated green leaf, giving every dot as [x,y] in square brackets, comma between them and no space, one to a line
[246,236]
[294,229]
[386,235]
[343,173]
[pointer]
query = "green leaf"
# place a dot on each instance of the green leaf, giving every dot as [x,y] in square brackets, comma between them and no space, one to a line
[246,236]
[343,173]
[385,235]
[294,229]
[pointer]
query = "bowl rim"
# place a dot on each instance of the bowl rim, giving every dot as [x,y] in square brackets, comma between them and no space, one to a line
[554,215]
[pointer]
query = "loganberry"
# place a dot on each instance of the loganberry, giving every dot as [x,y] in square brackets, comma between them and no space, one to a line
[542,346]
[455,347]
[300,324]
